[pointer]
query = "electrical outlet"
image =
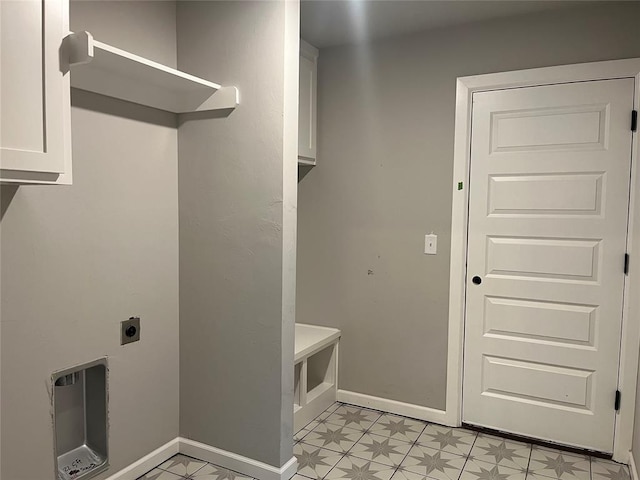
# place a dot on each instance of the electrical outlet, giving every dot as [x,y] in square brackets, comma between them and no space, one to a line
[430,244]
[130,330]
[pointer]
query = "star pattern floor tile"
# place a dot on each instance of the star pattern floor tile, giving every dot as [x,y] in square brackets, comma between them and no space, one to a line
[354,468]
[398,428]
[452,440]
[535,476]
[315,462]
[475,470]
[353,417]
[182,465]
[557,450]
[333,437]
[328,411]
[351,443]
[380,449]
[157,474]
[404,474]
[213,472]
[606,470]
[559,465]
[436,464]
[503,452]
[311,425]
[299,435]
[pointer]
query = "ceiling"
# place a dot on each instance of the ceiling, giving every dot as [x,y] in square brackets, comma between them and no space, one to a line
[326,23]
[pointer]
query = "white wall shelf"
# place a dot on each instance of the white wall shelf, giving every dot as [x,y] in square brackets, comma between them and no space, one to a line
[107,70]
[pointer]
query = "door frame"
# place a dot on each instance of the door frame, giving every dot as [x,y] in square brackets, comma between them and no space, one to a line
[630,344]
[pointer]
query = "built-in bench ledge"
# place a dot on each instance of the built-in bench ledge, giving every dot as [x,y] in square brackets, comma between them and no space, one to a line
[316,371]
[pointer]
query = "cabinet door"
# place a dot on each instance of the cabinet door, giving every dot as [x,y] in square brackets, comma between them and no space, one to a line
[35,118]
[308,99]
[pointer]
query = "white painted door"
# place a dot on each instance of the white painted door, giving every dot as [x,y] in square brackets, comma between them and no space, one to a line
[35,141]
[549,194]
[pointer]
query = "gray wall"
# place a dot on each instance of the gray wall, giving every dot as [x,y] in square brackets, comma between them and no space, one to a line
[383,180]
[77,260]
[236,322]
[636,431]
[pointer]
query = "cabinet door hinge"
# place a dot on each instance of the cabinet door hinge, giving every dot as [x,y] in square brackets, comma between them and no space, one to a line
[634,120]
[616,405]
[626,264]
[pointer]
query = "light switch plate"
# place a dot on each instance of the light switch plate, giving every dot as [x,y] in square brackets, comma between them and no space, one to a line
[430,244]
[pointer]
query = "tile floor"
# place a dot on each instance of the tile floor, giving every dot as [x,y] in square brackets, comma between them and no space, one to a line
[352,443]
[181,467]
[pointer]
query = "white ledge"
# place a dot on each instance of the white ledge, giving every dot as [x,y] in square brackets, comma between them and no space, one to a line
[107,70]
[310,339]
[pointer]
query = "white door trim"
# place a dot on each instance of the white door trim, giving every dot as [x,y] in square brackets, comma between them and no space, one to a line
[630,346]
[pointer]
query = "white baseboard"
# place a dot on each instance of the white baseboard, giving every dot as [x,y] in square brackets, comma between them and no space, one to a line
[238,463]
[148,462]
[632,467]
[232,461]
[393,406]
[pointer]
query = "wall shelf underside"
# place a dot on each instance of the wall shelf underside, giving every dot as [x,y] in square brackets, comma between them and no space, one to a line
[107,70]
[307,162]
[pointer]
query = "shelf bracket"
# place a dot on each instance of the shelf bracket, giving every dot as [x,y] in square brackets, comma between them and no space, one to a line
[223,98]
[79,48]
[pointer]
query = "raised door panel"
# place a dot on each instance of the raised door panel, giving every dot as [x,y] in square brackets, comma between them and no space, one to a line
[539,321]
[34,89]
[537,383]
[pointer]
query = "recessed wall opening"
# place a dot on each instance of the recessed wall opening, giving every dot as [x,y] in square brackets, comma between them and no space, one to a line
[80,421]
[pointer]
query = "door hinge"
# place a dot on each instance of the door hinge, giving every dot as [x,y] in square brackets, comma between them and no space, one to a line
[634,120]
[616,405]
[626,264]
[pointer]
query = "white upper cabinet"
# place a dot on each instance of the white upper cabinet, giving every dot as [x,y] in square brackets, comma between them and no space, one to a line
[35,111]
[37,52]
[307,113]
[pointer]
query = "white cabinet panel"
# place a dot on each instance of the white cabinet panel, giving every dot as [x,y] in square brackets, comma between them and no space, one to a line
[307,109]
[35,145]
